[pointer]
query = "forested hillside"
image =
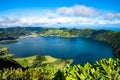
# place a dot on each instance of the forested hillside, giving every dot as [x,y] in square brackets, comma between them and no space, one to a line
[110,37]
[16,32]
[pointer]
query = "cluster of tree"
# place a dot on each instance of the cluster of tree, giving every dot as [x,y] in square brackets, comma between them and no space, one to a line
[101,70]
[3,51]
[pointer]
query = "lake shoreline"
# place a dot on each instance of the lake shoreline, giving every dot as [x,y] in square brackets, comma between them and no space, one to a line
[64,47]
[91,34]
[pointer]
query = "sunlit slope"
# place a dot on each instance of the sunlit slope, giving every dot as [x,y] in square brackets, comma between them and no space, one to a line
[43,61]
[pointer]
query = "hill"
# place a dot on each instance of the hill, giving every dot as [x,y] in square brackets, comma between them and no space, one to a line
[43,61]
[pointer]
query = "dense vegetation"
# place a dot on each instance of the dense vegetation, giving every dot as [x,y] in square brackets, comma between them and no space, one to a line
[4,51]
[101,70]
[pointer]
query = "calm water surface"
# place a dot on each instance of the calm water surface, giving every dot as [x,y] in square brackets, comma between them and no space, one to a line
[78,49]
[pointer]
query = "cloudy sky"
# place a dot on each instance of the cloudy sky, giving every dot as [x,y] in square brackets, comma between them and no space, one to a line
[60,13]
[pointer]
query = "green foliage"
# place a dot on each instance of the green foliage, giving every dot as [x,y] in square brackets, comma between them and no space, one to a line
[101,70]
[3,51]
[59,75]
[30,74]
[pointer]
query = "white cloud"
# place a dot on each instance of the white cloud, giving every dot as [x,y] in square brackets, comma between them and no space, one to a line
[78,15]
[78,10]
[111,16]
[59,21]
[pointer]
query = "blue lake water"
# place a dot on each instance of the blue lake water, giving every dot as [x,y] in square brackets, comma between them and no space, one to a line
[78,49]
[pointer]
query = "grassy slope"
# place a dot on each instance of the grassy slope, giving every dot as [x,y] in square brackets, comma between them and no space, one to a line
[42,61]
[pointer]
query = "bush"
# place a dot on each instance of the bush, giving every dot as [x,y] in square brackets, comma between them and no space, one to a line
[101,70]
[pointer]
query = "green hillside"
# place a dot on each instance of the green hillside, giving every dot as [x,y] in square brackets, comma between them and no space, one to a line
[43,61]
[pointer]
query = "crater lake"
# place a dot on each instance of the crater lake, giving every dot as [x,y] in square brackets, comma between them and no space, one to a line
[79,49]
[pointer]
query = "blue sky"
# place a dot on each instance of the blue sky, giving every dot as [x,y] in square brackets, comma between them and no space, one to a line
[112,5]
[59,13]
